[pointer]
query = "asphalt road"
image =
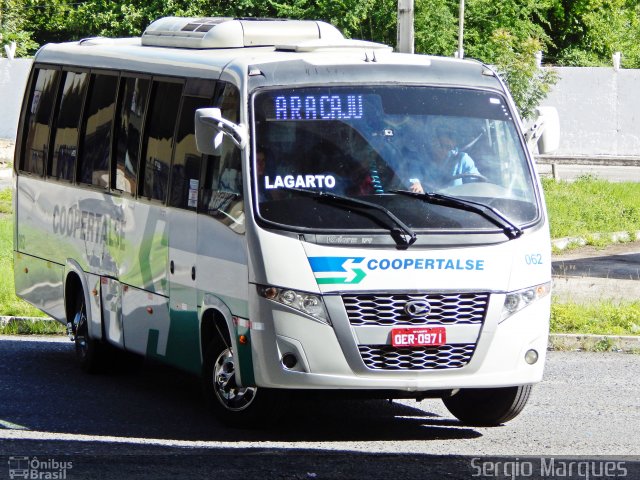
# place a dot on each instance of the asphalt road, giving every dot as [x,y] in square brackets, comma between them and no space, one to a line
[151,423]
[591,274]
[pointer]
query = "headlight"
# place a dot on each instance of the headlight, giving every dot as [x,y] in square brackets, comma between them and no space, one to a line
[516,301]
[307,303]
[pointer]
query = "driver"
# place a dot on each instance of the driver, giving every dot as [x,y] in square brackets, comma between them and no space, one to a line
[448,166]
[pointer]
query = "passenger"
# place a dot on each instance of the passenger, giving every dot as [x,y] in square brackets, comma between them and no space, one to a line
[448,167]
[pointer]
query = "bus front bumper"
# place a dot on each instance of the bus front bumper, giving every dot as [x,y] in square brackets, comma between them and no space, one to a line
[331,357]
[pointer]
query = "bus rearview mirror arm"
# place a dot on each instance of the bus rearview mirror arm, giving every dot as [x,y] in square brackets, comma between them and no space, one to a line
[210,127]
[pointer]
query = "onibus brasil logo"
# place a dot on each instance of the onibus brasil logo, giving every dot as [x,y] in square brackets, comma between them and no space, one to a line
[332,270]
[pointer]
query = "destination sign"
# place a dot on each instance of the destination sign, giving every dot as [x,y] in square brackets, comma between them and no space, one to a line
[318,107]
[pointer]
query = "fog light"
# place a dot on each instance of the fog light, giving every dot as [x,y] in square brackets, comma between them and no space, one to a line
[531,357]
[289,360]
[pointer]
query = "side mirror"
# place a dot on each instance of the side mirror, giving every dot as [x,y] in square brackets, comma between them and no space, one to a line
[210,128]
[545,131]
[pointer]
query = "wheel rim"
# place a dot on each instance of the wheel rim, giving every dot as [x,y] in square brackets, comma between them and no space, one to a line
[230,395]
[82,332]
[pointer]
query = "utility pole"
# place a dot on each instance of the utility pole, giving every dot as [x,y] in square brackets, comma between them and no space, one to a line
[460,53]
[405,36]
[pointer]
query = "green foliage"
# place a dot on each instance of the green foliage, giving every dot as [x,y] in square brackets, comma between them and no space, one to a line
[436,27]
[588,32]
[503,33]
[603,318]
[5,200]
[582,32]
[32,327]
[13,27]
[515,61]
[612,207]
[9,303]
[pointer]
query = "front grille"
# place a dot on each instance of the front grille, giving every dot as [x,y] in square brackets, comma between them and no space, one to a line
[387,357]
[389,310]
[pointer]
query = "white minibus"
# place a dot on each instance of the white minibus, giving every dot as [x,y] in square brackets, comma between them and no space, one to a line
[273,207]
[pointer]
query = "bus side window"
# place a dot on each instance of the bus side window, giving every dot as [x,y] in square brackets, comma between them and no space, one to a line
[185,169]
[95,152]
[159,131]
[66,129]
[222,192]
[134,93]
[41,104]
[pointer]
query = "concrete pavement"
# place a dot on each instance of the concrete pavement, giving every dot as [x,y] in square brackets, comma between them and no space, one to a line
[6,177]
[590,274]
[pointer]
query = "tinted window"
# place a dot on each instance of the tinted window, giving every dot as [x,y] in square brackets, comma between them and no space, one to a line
[229,102]
[41,105]
[222,193]
[134,94]
[369,142]
[160,128]
[96,145]
[65,149]
[185,170]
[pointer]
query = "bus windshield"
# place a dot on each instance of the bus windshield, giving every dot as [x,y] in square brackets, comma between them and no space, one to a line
[374,143]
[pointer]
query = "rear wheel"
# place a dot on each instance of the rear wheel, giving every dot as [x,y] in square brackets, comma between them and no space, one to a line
[232,404]
[488,406]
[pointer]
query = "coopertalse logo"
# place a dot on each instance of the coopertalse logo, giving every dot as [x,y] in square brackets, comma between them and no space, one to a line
[332,270]
[352,270]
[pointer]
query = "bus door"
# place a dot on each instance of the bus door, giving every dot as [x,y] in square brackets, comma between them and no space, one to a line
[183,348]
[184,340]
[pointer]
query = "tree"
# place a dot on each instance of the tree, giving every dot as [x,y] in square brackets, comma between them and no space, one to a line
[13,27]
[588,32]
[503,33]
[436,27]
[500,32]
[528,83]
[507,34]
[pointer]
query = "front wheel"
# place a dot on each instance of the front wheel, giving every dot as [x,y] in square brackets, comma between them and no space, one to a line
[232,404]
[488,407]
[89,351]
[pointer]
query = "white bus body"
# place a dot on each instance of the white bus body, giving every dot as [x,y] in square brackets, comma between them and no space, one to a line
[237,198]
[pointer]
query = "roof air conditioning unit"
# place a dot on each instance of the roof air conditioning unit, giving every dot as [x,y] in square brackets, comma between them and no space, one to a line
[222,32]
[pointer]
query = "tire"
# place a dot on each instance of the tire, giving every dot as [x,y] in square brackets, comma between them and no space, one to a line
[488,407]
[89,352]
[232,405]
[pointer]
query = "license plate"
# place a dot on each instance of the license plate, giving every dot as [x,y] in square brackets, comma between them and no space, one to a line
[418,337]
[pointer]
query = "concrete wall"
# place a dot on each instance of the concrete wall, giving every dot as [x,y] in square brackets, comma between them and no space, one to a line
[13,79]
[599,111]
[598,107]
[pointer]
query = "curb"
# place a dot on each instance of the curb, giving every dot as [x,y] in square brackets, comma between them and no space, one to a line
[594,343]
[5,319]
[557,341]
[560,244]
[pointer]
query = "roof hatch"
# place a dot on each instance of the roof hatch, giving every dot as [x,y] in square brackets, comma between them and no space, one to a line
[223,32]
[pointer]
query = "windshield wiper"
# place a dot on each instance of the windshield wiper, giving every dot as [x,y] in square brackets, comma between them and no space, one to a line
[403,235]
[496,217]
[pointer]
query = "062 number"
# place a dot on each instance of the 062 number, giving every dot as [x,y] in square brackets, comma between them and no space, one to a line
[534,259]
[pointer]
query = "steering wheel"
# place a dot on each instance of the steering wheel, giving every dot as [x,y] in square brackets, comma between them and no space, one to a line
[471,177]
